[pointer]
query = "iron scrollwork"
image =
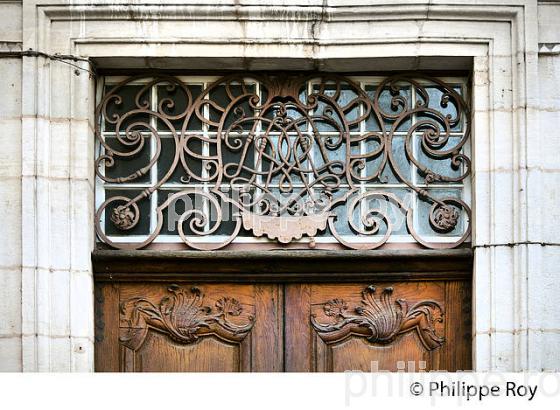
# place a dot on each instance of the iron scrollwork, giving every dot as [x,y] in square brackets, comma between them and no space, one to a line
[286,160]
[381,319]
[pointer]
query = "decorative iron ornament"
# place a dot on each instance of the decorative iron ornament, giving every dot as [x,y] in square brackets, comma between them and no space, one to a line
[283,160]
[382,319]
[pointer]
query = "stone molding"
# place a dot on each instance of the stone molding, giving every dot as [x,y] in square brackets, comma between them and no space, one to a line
[549,48]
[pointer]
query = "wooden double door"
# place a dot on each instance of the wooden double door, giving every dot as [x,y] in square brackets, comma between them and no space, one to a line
[359,320]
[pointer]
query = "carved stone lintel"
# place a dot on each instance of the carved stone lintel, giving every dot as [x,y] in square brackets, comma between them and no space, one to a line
[381,319]
[181,316]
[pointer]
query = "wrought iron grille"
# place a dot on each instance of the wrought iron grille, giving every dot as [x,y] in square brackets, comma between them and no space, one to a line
[359,161]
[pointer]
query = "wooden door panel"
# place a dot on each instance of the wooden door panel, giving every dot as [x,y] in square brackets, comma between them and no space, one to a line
[183,326]
[386,326]
[188,327]
[159,354]
[357,353]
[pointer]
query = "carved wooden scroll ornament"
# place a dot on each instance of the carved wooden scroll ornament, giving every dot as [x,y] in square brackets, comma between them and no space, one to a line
[182,317]
[381,319]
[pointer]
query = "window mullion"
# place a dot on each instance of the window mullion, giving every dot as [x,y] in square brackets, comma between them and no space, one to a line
[154,169]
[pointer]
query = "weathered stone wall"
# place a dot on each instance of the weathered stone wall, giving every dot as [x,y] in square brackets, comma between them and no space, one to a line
[46,171]
[10,188]
[544,287]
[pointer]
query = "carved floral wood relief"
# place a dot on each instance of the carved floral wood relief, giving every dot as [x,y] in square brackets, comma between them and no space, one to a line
[182,316]
[381,319]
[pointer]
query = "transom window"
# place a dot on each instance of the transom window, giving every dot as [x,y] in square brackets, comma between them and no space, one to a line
[356,161]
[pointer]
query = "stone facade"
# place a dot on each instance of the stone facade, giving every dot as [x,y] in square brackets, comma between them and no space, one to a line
[46,115]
